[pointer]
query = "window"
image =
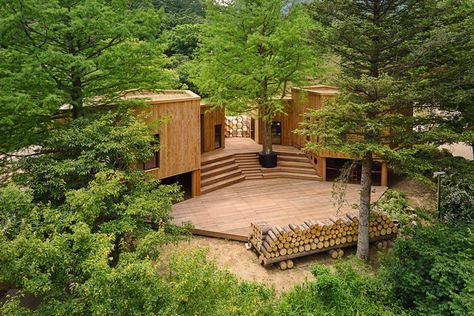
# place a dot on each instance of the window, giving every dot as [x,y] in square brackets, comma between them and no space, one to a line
[154,161]
[276,132]
[217,136]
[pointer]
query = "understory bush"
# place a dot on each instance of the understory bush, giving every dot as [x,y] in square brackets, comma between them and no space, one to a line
[457,198]
[432,271]
[198,287]
[348,291]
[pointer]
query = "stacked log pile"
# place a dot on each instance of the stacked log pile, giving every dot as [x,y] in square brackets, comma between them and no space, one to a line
[276,243]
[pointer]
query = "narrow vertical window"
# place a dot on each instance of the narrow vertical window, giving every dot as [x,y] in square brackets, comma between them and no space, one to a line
[154,161]
[217,136]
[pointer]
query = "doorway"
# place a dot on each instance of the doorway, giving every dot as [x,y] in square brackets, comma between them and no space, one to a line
[276,133]
[252,128]
[217,136]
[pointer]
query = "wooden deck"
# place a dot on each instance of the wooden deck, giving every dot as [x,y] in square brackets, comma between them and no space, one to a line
[240,145]
[227,212]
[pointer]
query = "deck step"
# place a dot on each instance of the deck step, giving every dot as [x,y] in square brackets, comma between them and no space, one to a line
[217,171]
[248,164]
[245,154]
[253,177]
[291,175]
[289,153]
[290,170]
[293,158]
[220,177]
[222,184]
[293,164]
[251,172]
[239,160]
[217,164]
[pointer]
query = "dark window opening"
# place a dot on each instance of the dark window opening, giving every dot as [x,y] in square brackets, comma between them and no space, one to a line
[334,167]
[252,128]
[184,180]
[154,161]
[276,132]
[217,136]
[203,147]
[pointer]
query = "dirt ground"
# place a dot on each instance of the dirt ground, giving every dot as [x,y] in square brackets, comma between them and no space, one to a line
[233,256]
[418,194]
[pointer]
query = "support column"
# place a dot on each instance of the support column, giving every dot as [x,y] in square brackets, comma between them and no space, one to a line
[323,168]
[196,183]
[384,174]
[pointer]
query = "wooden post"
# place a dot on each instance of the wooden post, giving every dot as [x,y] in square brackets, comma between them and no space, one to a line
[323,168]
[384,174]
[196,183]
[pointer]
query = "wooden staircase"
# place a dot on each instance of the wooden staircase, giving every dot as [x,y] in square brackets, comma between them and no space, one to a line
[224,171]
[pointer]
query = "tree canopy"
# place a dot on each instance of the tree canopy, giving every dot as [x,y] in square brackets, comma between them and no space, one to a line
[251,53]
[55,53]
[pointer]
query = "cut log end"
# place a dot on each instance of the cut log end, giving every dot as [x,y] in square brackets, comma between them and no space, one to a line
[283,265]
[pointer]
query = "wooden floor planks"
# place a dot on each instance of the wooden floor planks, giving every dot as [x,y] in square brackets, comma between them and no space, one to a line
[227,212]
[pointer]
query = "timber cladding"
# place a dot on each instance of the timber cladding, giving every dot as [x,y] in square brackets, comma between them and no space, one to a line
[179,133]
[210,120]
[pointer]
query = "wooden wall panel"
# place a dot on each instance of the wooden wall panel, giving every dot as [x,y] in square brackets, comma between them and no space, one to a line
[211,119]
[180,150]
[286,124]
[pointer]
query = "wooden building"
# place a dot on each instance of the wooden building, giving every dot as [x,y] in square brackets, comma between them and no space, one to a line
[325,162]
[179,157]
[212,128]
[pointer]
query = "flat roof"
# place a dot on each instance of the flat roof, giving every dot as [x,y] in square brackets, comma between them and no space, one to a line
[162,96]
[319,89]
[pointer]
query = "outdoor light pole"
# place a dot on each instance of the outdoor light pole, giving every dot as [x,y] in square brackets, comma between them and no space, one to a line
[439,174]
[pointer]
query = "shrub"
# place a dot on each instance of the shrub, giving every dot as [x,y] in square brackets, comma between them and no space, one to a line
[457,199]
[200,288]
[432,272]
[346,292]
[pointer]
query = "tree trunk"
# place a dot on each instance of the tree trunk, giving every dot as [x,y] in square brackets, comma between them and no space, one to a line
[76,93]
[472,147]
[267,147]
[267,136]
[364,207]
[115,254]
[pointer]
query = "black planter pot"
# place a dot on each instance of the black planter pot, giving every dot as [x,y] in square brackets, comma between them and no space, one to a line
[267,160]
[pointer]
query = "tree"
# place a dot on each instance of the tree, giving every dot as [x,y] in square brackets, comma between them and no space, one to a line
[251,52]
[431,271]
[442,74]
[55,53]
[87,219]
[366,120]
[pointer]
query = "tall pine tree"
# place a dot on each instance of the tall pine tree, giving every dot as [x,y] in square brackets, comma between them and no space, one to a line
[372,40]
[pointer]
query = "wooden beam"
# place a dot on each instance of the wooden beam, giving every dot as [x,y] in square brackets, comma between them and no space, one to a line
[196,183]
[384,174]
[323,168]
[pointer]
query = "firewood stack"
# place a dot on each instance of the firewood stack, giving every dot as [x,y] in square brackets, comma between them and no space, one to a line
[277,242]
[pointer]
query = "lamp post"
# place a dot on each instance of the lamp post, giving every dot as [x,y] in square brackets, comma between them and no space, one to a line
[439,174]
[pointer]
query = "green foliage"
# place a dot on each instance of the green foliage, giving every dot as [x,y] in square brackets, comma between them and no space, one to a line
[201,289]
[443,66]
[183,39]
[395,204]
[82,237]
[179,12]
[431,272]
[251,50]
[348,291]
[62,52]
[457,198]
[73,153]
